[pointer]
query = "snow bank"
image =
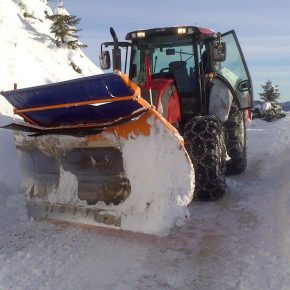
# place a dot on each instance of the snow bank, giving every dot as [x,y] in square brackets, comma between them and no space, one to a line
[276,145]
[29,57]
[10,171]
[28,53]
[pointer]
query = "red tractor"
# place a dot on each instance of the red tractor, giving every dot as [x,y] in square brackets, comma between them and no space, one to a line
[199,81]
[80,141]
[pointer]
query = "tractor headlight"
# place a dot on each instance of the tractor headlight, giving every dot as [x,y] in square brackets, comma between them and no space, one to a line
[141,34]
[181,30]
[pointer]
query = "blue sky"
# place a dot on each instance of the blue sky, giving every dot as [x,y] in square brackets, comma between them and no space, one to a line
[262,26]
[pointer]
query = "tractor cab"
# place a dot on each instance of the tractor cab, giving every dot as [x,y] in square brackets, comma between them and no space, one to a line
[175,66]
[172,61]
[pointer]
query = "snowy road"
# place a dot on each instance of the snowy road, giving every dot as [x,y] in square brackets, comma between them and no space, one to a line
[239,242]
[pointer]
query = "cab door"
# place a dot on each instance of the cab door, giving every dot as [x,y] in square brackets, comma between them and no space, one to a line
[234,69]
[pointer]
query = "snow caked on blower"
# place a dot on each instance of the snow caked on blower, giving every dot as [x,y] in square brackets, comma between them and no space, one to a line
[108,150]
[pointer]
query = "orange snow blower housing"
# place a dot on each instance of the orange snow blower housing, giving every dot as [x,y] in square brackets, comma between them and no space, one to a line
[71,148]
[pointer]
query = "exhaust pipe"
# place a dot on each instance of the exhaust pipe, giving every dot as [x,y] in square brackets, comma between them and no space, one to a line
[116,51]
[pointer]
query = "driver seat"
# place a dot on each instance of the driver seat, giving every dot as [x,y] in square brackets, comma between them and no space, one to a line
[186,86]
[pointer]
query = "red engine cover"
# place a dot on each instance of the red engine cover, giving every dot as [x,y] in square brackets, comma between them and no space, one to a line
[167,102]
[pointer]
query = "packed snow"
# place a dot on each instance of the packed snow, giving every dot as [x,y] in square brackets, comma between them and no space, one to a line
[160,193]
[241,241]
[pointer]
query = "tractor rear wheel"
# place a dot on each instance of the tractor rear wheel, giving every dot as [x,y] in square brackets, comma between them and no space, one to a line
[204,141]
[236,140]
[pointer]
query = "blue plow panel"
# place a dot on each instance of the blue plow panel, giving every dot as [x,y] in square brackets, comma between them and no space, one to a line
[84,114]
[94,88]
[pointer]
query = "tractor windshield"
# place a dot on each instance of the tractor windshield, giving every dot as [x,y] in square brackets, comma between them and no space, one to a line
[168,54]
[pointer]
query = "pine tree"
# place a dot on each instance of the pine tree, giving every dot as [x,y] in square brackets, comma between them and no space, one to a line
[271,108]
[271,92]
[64,28]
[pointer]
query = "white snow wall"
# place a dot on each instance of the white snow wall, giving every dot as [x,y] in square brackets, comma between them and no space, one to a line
[29,57]
[28,53]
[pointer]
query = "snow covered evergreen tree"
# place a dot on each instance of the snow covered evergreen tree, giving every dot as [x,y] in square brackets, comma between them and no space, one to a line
[271,110]
[64,27]
[270,92]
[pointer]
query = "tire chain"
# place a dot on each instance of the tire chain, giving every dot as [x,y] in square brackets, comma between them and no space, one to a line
[204,141]
[235,140]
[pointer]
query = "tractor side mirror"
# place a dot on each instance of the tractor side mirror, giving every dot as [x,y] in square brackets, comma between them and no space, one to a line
[219,51]
[105,60]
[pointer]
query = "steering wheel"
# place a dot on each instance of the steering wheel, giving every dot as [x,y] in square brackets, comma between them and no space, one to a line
[165,69]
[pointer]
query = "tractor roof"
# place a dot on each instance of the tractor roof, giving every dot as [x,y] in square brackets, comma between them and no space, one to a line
[185,30]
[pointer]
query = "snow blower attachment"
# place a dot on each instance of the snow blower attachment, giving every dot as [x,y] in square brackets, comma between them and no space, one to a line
[90,153]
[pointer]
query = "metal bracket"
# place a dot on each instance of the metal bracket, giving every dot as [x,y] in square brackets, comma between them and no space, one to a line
[71,213]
